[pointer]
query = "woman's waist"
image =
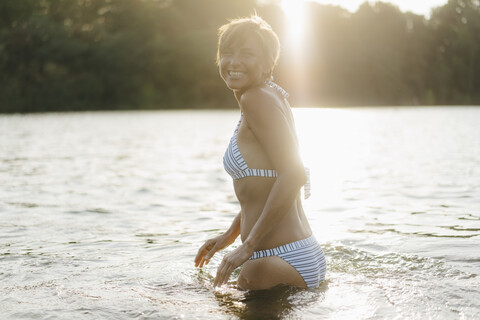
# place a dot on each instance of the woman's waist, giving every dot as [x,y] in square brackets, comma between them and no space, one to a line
[292,227]
[253,190]
[278,238]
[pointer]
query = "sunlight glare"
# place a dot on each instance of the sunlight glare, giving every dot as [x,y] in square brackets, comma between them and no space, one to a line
[333,143]
[294,11]
[295,51]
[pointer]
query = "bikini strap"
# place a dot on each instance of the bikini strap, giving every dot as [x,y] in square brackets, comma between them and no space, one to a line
[278,88]
[307,188]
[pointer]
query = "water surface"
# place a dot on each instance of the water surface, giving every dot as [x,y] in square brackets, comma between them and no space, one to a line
[101,215]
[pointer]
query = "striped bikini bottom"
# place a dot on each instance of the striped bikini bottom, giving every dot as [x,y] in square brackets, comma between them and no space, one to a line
[306,256]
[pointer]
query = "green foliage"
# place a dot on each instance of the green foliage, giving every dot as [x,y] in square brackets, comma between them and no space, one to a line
[129,54]
[455,75]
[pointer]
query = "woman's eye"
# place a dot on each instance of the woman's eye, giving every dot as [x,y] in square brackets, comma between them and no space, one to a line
[248,54]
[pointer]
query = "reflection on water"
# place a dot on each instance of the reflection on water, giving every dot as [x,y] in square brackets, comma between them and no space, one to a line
[281,302]
[101,215]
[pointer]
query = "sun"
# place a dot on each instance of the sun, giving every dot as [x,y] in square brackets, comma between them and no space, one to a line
[294,47]
[294,11]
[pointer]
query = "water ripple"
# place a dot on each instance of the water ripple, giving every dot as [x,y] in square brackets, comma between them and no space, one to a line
[105,222]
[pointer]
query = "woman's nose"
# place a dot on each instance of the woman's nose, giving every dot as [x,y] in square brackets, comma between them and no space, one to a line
[235,60]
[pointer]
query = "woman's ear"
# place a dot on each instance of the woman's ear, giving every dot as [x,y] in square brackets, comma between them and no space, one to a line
[267,73]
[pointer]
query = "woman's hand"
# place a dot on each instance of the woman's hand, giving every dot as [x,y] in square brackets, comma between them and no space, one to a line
[230,262]
[211,246]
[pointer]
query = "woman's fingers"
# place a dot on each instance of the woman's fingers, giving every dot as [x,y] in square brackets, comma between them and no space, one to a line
[199,257]
[230,262]
[210,254]
[204,250]
[199,263]
[224,271]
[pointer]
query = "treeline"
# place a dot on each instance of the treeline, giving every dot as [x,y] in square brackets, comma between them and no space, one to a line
[150,54]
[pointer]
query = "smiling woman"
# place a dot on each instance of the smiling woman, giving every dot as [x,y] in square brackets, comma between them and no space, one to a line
[263,159]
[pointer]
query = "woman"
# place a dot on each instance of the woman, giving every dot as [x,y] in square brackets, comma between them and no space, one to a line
[264,162]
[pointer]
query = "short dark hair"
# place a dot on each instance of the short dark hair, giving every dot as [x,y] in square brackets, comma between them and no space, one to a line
[242,28]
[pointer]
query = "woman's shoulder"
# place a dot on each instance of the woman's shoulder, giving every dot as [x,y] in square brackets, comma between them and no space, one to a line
[260,99]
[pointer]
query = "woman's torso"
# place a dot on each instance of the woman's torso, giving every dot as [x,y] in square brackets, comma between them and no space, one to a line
[252,192]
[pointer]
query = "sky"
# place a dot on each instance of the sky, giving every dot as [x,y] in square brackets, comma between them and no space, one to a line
[416,6]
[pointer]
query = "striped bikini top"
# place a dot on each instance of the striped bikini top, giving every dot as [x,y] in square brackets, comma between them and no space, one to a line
[236,166]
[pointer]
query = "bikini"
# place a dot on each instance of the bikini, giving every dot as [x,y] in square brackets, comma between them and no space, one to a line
[306,255]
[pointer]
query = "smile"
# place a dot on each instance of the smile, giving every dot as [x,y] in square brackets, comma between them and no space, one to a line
[236,74]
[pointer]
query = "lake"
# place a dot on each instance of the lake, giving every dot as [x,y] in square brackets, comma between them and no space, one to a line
[102,213]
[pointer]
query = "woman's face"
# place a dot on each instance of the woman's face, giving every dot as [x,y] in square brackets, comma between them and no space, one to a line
[242,65]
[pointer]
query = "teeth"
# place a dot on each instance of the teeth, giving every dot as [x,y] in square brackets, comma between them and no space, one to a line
[235,73]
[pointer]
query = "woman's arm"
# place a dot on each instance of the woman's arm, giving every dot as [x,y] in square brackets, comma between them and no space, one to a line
[211,246]
[270,126]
